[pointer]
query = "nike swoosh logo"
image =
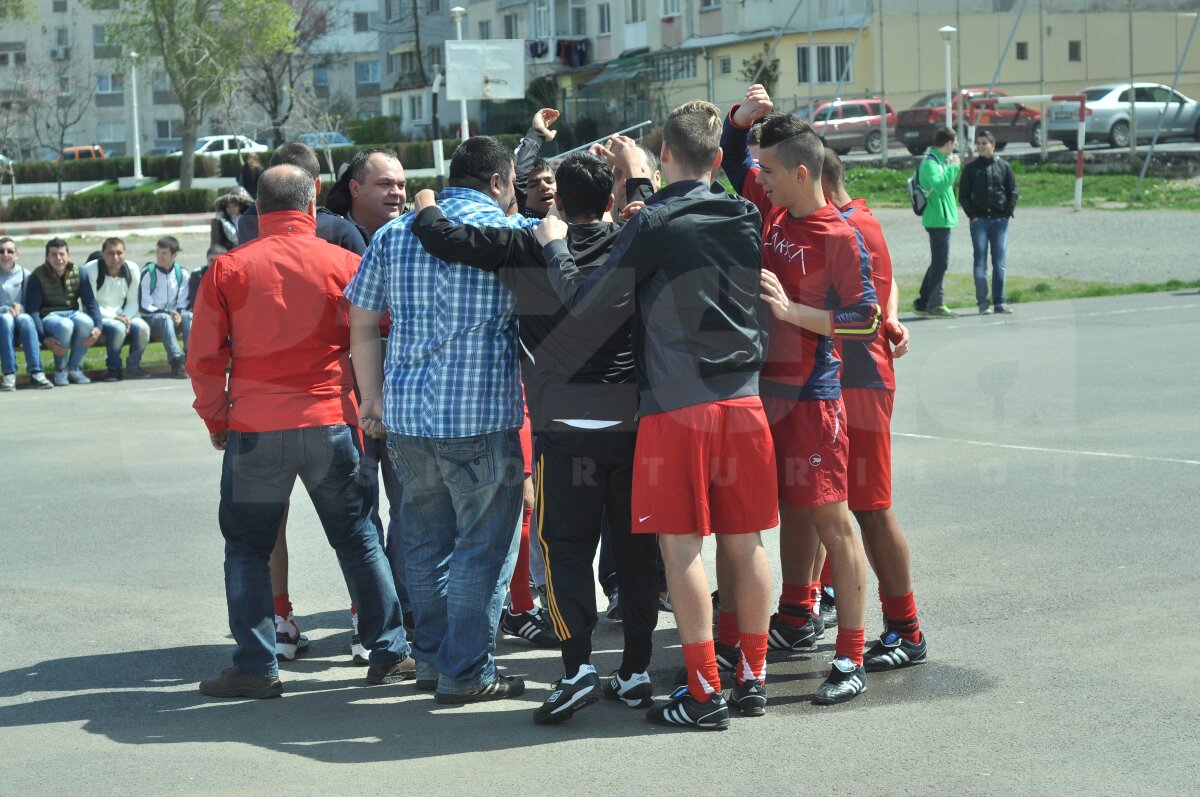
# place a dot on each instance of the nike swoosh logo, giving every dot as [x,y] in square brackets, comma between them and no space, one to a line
[644,519]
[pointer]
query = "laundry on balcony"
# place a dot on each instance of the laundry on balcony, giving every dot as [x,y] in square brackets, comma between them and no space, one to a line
[536,48]
[572,52]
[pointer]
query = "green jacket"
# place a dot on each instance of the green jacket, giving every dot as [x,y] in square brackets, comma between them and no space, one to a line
[937,180]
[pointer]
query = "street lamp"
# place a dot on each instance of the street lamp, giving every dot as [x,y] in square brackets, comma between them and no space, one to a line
[457,13]
[137,135]
[947,32]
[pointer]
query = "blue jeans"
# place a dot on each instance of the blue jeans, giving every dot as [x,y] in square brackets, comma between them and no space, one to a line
[115,336]
[257,476]
[374,460]
[461,505]
[931,294]
[162,326]
[19,328]
[991,232]
[70,328]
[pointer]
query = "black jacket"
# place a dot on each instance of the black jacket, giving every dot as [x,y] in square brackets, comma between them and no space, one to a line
[330,227]
[988,188]
[689,263]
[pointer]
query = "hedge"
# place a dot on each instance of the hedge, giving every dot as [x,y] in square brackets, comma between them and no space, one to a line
[89,206]
[31,208]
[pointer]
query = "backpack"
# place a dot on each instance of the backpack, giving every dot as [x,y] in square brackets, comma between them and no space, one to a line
[916,194]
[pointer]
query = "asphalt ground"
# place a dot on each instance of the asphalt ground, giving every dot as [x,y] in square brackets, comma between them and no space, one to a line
[1047,473]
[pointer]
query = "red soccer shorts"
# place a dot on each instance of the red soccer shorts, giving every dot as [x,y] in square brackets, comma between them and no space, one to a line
[869,423]
[705,469]
[811,450]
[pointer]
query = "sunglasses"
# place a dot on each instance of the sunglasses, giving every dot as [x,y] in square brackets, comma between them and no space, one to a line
[8,251]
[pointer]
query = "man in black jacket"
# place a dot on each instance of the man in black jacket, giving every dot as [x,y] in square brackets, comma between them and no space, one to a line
[688,263]
[987,192]
[582,396]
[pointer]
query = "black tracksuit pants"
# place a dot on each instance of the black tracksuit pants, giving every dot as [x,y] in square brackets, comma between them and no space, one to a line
[581,475]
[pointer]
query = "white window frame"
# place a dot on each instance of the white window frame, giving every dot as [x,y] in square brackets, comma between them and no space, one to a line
[102,135]
[373,69]
[604,19]
[171,125]
[320,76]
[823,73]
[635,11]
[670,8]
[110,83]
[416,107]
[485,29]
[725,65]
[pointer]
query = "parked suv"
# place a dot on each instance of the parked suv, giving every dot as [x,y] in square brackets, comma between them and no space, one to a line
[86,152]
[215,146]
[846,124]
[1007,121]
[1107,115]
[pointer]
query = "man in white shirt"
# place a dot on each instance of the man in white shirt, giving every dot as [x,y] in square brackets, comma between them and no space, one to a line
[164,301]
[114,283]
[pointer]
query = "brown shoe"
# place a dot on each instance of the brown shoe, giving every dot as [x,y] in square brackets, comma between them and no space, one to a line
[232,683]
[403,670]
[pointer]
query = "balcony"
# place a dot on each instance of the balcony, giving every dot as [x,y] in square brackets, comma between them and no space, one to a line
[635,36]
[114,99]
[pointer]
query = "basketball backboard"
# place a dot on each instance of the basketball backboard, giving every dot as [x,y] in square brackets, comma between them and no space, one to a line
[485,70]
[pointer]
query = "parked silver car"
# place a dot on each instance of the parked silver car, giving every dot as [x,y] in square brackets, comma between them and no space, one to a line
[1107,117]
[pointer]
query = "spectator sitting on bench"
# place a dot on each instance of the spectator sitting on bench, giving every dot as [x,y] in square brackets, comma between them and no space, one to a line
[113,281]
[164,302]
[52,299]
[16,326]
[214,251]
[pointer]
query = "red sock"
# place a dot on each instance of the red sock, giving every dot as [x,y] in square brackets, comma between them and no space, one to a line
[850,643]
[519,598]
[283,606]
[753,665]
[727,629]
[900,612]
[827,572]
[703,679]
[795,604]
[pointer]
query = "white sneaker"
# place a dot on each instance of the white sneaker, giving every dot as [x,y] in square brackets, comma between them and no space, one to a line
[288,639]
[60,379]
[9,383]
[38,380]
[359,653]
[77,377]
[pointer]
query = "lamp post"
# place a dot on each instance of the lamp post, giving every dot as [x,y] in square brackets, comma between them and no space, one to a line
[457,13]
[948,31]
[137,134]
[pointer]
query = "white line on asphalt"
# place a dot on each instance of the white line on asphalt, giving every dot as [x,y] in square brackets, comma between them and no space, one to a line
[998,322]
[1106,454]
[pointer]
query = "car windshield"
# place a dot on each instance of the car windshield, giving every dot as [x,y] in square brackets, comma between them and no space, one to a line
[931,101]
[1096,94]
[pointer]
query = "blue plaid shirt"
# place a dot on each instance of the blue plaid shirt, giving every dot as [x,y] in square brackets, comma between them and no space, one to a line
[451,366]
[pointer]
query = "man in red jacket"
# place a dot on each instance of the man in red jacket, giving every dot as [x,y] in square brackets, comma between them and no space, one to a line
[275,309]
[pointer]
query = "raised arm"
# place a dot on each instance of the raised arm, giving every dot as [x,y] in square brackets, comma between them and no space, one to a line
[487,248]
[608,286]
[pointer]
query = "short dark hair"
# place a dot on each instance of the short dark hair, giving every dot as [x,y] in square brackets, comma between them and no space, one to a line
[943,136]
[357,168]
[986,135]
[585,184]
[793,141]
[110,242]
[693,132]
[832,170]
[755,134]
[215,249]
[168,242]
[6,240]
[285,187]
[56,243]
[297,153]
[541,165]
[477,159]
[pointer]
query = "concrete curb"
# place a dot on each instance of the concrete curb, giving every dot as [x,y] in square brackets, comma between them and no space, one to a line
[109,223]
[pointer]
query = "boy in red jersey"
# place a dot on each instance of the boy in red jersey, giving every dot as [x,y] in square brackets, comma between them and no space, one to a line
[868,388]
[816,279]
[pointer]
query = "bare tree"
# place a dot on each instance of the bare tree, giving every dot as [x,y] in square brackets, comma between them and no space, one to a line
[15,133]
[63,99]
[327,113]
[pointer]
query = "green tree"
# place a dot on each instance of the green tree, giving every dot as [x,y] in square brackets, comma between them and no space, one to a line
[17,9]
[201,44]
[762,68]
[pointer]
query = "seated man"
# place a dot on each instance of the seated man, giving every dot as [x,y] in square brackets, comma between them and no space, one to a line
[113,284]
[16,324]
[164,302]
[52,300]
[212,254]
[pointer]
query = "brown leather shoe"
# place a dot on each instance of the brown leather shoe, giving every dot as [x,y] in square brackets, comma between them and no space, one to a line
[232,683]
[403,670]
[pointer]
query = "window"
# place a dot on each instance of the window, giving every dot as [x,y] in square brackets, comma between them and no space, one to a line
[100,36]
[677,66]
[60,6]
[636,11]
[604,19]
[725,66]
[436,54]
[511,28]
[4,61]
[670,8]
[366,72]
[62,37]
[416,107]
[435,6]
[110,84]
[541,21]
[408,62]
[166,128]
[392,63]
[391,10]
[160,81]
[485,29]
[19,58]
[1075,50]
[394,106]
[320,76]
[110,131]
[64,86]
[830,63]
[362,22]
[1022,51]
[705,5]
[579,21]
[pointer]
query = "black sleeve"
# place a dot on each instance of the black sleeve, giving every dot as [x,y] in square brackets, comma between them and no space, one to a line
[964,191]
[526,154]
[1010,189]
[347,236]
[638,189]
[611,285]
[488,248]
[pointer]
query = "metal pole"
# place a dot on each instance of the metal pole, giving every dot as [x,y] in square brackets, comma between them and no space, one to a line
[946,31]
[458,12]
[1042,77]
[137,133]
[639,125]
[1132,92]
[883,112]
[810,57]
[1137,189]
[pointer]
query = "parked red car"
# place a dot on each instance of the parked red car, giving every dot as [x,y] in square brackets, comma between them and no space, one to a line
[846,124]
[1008,121]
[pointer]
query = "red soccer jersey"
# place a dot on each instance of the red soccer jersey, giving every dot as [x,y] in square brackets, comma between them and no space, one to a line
[869,364]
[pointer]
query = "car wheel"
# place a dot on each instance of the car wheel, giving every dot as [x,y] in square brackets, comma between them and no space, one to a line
[874,142]
[1035,136]
[915,150]
[1119,135]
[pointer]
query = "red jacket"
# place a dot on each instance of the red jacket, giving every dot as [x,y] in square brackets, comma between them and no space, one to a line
[275,308]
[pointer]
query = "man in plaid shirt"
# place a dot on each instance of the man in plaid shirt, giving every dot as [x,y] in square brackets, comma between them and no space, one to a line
[451,404]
